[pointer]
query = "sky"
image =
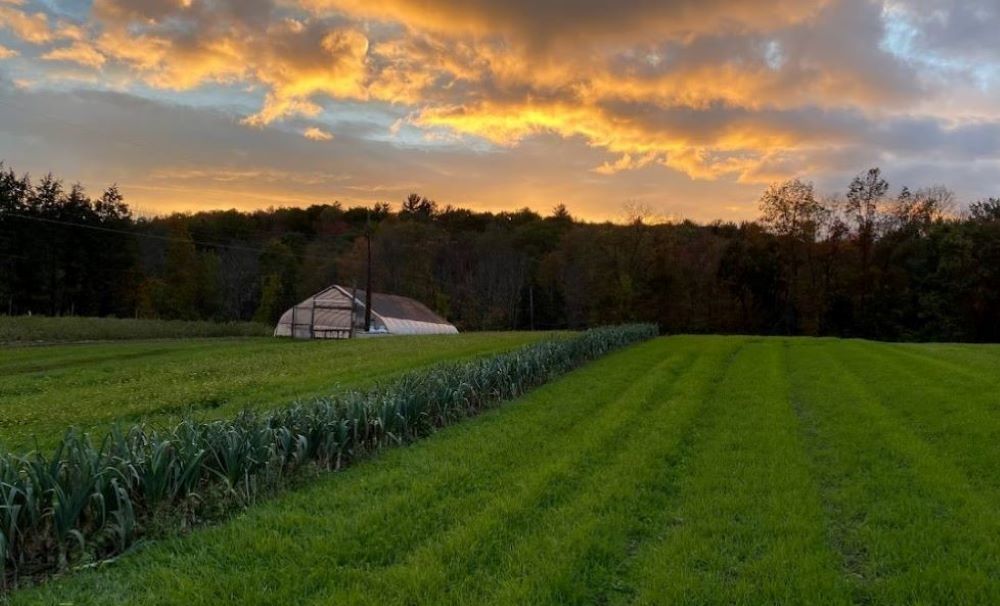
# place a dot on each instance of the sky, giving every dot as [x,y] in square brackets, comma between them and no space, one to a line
[688,108]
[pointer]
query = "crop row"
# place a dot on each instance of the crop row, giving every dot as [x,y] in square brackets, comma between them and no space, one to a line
[87,502]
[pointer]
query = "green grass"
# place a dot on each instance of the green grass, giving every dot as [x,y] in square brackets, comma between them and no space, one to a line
[45,390]
[694,470]
[42,329]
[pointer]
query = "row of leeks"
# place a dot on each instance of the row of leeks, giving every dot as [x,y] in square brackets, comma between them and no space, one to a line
[90,501]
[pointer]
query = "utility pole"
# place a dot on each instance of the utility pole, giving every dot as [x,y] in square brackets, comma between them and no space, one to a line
[531,306]
[368,280]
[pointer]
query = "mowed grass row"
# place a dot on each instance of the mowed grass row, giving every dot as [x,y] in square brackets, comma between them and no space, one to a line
[46,390]
[684,470]
[901,452]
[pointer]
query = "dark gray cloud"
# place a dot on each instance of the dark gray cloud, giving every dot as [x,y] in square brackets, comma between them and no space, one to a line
[542,23]
[966,29]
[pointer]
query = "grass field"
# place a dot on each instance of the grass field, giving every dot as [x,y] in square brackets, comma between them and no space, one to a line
[45,390]
[685,470]
[42,329]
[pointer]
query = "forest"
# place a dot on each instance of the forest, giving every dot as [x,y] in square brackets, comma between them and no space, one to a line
[872,261]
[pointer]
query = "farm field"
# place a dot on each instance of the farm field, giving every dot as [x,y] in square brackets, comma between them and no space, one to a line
[45,390]
[683,470]
[67,329]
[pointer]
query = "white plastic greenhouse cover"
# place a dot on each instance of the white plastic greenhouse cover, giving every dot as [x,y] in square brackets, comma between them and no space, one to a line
[327,314]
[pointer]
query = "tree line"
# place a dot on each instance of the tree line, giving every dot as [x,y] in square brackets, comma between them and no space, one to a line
[870,262]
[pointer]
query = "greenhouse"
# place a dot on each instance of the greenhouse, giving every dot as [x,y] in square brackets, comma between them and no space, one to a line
[339,313]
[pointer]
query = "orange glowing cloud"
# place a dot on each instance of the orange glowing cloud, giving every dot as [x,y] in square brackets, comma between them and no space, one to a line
[292,60]
[166,63]
[30,27]
[295,75]
[704,144]
[81,53]
[314,133]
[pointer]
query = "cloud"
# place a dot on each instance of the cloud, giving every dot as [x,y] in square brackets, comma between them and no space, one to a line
[315,133]
[625,162]
[34,27]
[182,46]
[304,63]
[81,53]
[965,29]
[29,27]
[7,53]
[541,23]
[702,142]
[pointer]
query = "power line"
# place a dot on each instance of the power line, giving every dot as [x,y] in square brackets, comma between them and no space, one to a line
[154,236]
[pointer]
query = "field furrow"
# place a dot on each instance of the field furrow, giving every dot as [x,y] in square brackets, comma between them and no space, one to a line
[967,361]
[748,522]
[957,417]
[907,522]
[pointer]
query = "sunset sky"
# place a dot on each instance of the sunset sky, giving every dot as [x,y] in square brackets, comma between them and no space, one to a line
[687,106]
